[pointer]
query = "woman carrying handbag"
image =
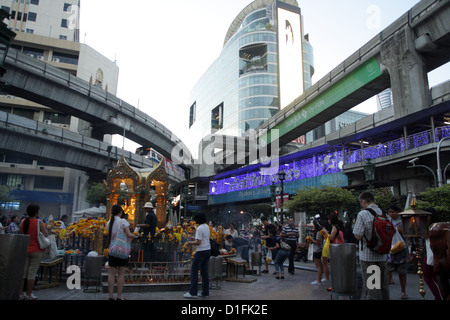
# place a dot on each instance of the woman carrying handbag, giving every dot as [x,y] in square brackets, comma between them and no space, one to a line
[119,240]
[32,226]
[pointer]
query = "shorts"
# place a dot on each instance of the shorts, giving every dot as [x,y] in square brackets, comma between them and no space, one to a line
[32,264]
[317,255]
[117,262]
[401,268]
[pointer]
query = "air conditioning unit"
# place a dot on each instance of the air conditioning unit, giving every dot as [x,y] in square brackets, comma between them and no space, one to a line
[46,121]
[55,59]
[41,58]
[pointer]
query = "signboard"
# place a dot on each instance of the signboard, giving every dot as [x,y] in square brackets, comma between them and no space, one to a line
[290,53]
[363,75]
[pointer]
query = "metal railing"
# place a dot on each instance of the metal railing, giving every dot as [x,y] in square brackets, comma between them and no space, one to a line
[397,146]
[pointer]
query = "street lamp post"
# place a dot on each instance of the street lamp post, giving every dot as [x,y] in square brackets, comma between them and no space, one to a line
[415,225]
[413,162]
[185,193]
[273,189]
[438,157]
[369,173]
[281,177]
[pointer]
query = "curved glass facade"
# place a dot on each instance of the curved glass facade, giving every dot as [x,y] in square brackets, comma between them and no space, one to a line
[240,90]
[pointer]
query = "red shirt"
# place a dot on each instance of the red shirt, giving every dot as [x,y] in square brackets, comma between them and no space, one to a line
[33,246]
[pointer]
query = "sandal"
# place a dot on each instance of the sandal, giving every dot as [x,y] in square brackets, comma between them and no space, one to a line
[404,295]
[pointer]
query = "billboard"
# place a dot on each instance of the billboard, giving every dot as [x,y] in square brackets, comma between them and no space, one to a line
[290,53]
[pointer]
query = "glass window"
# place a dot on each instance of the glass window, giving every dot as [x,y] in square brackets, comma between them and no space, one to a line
[192,114]
[64,23]
[14,180]
[55,183]
[59,118]
[67,7]
[35,2]
[65,58]
[32,16]
[253,58]
[217,117]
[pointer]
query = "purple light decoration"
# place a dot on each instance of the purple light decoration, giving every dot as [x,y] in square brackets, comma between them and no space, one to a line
[295,170]
[323,164]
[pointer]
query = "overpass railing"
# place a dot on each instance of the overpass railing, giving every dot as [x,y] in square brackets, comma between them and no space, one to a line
[52,133]
[397,146]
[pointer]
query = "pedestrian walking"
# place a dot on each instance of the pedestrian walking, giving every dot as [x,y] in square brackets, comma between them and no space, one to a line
[398,261]
[268,232]
[369,258]
[290,234]
[279,253]
[317,243]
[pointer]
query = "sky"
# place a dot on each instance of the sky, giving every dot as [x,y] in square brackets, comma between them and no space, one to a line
[162,48]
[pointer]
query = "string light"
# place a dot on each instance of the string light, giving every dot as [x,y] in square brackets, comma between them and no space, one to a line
[323,164]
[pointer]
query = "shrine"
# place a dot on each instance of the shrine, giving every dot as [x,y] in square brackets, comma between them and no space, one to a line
[133,187]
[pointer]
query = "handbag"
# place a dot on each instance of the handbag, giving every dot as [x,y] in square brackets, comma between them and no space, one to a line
[285,246]
[310,252]
[119,247]
[398,244]
[43,241]
[326,248]
[340,238]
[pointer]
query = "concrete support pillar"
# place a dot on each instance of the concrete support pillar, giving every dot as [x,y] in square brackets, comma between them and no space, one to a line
[407,70]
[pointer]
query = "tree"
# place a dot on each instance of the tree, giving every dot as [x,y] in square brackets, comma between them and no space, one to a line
[383,198]
[438,198]
[96,193]
[5,194]
[322,200]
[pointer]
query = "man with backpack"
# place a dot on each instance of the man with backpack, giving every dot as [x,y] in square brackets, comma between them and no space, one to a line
[375,235]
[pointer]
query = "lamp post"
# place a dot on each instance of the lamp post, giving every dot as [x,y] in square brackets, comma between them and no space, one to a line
[369,173]
[273,189]
[185,193]
[281,177]
[6,36]
[440,179]
[413,162]
[415,225]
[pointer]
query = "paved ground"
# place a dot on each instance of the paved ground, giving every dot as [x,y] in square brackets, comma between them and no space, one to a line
[266,287]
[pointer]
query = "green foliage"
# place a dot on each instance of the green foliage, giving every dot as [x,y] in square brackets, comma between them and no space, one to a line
[96,193]
[322,200]
[438,198]
[5,194]
[383,198]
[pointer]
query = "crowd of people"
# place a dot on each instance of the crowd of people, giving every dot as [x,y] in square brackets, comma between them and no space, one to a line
[276,242]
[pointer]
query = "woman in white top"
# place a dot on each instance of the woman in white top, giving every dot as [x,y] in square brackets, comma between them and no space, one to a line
[117,265]
[232,232]
[201,257]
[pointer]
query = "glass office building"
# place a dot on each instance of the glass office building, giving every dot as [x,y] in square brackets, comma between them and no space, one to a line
[266,62]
